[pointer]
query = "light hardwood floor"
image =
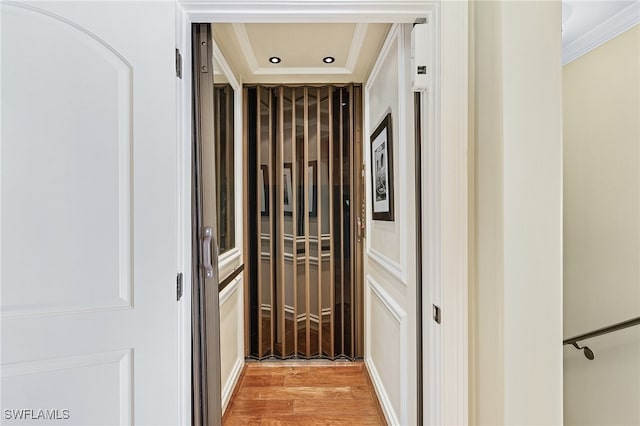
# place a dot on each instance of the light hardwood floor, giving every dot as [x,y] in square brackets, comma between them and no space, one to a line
[290,394]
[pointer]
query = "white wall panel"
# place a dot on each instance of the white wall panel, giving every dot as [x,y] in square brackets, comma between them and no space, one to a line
[383,244]
[386,325]
[231,337]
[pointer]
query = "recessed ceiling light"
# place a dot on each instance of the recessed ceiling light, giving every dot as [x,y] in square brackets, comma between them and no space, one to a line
[328,59]
[274,60]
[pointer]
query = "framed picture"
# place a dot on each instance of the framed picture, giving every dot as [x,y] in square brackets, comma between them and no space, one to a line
[288,190]
[382,171]
[312,192]
[263,187]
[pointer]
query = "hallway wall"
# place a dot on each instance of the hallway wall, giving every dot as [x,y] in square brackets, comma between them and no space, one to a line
[390,250]
[602,230]
[515,319]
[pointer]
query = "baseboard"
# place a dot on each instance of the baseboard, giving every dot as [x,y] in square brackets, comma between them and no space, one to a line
[389,414]
[232,381]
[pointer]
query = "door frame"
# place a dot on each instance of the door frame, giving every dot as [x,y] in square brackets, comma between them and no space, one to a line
[445,347]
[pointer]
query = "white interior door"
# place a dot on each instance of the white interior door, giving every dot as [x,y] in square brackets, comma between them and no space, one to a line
[88,205]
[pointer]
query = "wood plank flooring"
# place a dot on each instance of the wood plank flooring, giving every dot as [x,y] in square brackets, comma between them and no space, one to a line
[283,394]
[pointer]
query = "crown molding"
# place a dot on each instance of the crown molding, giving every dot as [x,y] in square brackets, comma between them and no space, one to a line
[225,69]
[600,34]
[356,46]
[357,40]
[245,46]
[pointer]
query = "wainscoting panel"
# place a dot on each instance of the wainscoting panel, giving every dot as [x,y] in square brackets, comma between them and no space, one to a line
[231,337]
[386,342]
[384,93]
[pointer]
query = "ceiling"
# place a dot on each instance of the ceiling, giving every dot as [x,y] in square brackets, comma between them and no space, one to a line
[301,47]
[586,24]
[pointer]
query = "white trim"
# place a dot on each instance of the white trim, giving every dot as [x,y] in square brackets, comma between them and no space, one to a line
[226,69]
[240,30]
[600,34]
[356,46]
[431,164]
[400,317]
[390,265]
[301,11]
[183,147]
[392,306]
[403,88]
[383,397]
[229,386]
[453,139]
[229,262]
[228,291]
[386,46]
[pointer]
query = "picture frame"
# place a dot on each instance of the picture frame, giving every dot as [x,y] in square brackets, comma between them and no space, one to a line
[382,197]
[312,193]
[288,189]
[263,185]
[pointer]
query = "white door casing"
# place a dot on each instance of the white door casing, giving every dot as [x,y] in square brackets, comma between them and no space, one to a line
[447,398]
[89,223]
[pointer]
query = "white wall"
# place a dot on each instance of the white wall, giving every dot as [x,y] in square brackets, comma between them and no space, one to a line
[602,230]
[390,251]
[516,295]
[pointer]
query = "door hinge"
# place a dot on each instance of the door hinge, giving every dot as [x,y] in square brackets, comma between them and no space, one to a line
[178,64]
[179,286]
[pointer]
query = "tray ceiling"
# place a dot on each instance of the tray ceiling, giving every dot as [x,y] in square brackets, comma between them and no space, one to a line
[301,48]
